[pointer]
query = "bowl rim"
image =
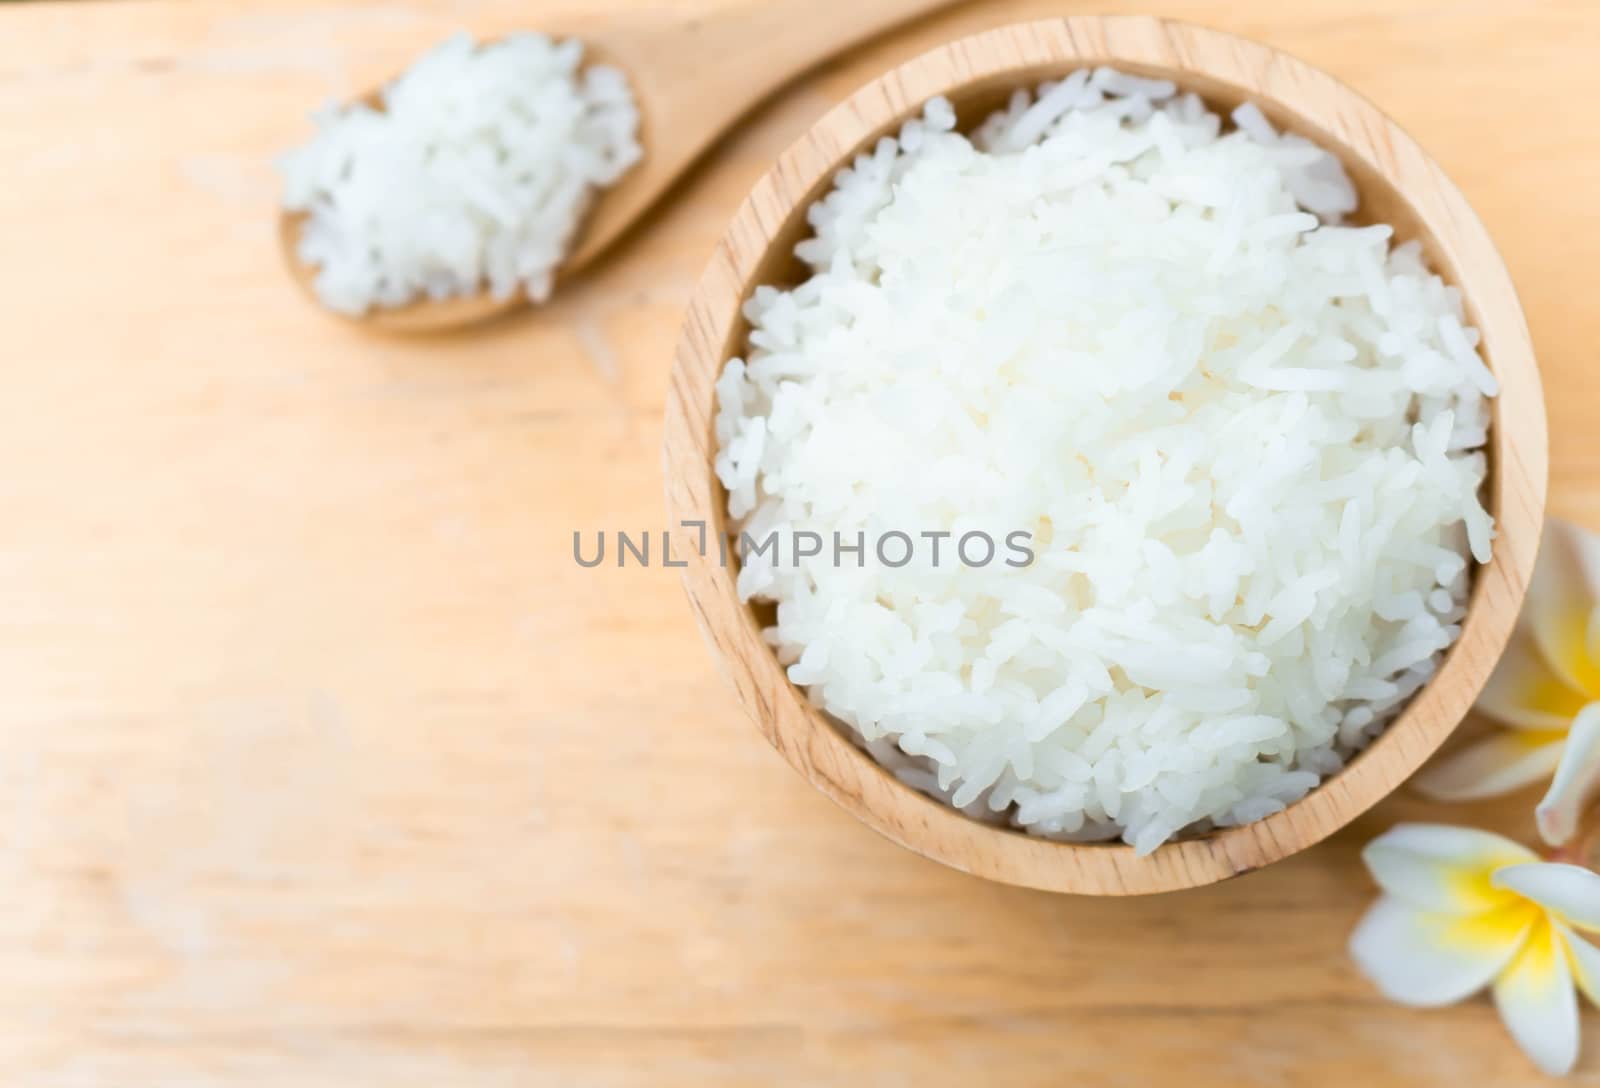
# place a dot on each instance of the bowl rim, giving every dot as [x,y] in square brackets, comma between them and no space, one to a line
[1022,54]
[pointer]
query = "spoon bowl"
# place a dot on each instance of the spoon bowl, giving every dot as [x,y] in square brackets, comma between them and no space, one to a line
[692,79]
[1398,183]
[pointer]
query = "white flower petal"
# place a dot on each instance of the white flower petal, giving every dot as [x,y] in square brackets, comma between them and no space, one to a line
[1418,958]
[1577,778]
[1536,1000]
[1499,763]
[1562,596]
[1525,693]
[1435,867]
[1584,959]
[1570,892]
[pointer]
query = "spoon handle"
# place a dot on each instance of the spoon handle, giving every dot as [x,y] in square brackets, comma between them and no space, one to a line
[693,78]
[761,46]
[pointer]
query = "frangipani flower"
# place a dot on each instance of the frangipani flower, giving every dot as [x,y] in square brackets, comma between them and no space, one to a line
[1466,909]
[1545,691]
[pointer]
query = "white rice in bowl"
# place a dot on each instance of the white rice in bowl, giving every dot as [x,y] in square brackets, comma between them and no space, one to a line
[1244,444]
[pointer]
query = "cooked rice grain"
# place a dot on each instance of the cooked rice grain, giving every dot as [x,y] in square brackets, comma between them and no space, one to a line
[474,176]
[1246,440]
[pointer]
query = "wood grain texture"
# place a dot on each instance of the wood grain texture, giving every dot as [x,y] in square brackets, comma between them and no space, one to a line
[302,695]
[1400,186]
[692,76]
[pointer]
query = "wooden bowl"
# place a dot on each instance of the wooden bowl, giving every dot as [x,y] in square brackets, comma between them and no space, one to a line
[1399,185]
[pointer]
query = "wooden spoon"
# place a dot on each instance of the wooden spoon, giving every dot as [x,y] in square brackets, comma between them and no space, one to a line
[692,78]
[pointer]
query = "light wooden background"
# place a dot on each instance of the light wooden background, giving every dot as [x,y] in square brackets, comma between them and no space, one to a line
[321,763]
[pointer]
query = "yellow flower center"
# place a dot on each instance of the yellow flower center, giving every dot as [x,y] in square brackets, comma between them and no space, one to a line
[1493,929]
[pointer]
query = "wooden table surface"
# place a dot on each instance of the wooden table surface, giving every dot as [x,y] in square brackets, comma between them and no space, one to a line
[321,761]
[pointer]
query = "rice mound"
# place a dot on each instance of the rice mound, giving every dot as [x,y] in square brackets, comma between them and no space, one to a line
[1246,441]
[475,173]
